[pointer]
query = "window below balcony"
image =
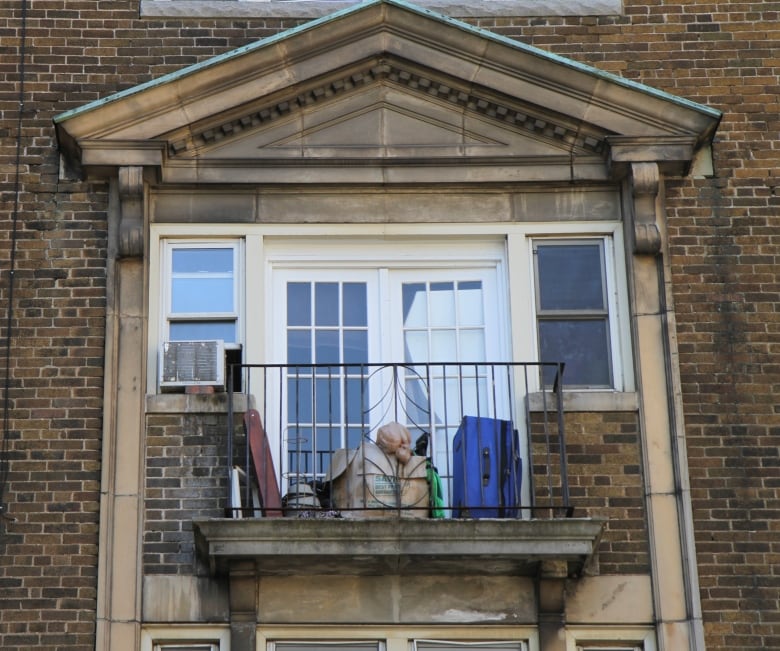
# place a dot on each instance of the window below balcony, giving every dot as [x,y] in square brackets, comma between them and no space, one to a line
[372,638]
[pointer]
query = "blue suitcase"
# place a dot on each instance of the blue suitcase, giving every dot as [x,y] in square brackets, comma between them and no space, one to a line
[486,469]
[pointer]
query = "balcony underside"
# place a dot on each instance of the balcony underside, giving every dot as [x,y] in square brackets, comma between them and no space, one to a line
[291,546]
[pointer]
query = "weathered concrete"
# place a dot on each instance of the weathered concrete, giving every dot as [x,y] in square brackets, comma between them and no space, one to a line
[396,545]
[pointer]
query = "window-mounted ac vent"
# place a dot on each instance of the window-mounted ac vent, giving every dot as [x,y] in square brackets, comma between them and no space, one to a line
[192,363]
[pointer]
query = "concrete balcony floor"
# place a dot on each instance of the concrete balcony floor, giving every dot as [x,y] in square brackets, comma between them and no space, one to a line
[397,545]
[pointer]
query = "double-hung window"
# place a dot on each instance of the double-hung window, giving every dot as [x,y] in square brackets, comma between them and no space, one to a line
[573,295]
[201,300]
[202,291]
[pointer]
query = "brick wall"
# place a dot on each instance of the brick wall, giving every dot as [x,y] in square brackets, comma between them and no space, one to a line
[605,481]
[723,238]
[185,479]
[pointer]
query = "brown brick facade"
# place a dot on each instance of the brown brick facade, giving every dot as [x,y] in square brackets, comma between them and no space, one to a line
[723,238]
[185,479]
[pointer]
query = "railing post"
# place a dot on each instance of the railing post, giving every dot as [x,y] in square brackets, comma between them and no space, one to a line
[562,439]
[450,397]
[231,429]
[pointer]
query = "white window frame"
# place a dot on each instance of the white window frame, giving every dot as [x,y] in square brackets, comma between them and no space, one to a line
[519,276]
[162,638]
[168,247]
[611,307]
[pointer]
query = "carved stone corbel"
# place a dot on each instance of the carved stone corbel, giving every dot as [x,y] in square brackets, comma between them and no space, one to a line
[645,181]
[131,212]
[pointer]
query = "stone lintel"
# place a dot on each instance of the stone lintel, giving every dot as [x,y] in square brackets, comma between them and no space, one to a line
[388,171]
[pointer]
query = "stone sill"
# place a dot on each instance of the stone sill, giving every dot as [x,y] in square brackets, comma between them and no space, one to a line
[595,401]
[194,403]
[405,546]
[573,401]
[319,8]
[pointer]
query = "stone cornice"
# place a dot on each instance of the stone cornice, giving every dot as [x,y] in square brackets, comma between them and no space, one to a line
[531,121]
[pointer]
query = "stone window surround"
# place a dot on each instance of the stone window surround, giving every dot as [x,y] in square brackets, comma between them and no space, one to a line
[317,8]
[519,234]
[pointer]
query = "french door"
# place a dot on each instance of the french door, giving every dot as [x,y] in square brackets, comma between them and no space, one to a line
[371,343]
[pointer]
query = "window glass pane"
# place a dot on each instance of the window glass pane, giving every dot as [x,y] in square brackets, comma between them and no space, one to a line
[415,310]
[448,404]
[356,400]
[299,347]
[299,399]
[194,330]
[298,304]
[475,397]
[206,294]
[584,347]
[207,261]
[442,304]
[416,346]
[327,440]
[354,309]
[470,305]
[570,277]
[299,447]
[326,347]
[355,346]
[472,345]
[354,437]
[443,346]
[416,399]
[326,304]
[328,400]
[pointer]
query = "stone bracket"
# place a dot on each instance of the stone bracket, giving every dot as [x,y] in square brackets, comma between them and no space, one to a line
[551,596]
[243,605]
[131,212]
[645,183]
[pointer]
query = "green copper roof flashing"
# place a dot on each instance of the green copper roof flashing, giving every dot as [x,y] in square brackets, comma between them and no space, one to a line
[286,34]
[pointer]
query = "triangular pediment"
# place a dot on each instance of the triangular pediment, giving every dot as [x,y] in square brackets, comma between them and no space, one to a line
[392,112]
[385,85]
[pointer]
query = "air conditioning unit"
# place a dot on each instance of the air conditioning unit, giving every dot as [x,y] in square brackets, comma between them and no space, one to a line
[192,363]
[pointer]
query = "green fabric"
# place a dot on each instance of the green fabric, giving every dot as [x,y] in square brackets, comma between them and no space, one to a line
[437,491]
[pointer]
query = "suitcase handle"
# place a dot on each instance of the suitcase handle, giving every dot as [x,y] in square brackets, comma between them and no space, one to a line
[485,466]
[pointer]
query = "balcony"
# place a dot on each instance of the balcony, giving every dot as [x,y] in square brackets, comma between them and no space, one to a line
[365,469]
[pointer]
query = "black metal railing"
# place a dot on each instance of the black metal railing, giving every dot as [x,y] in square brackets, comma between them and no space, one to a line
[453,440]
